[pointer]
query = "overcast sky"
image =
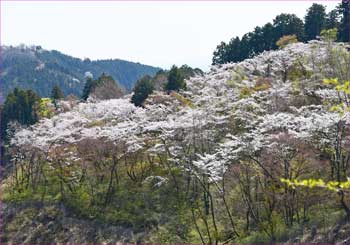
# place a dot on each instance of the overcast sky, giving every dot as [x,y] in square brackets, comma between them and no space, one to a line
[154,33]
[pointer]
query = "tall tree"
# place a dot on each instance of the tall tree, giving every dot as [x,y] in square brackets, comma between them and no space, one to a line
[234,54]
[245,48]
[220,55]
[315,20]
[143,88]
[88,87]
[268,36]
[20,106]
[344,29]
[332,19]
[56,93]
[288,24]
[176,80]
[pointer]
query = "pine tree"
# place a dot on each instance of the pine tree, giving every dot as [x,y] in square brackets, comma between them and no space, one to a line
[288,24]
[220,55]
[56,93]
[234,54]
[315,20]
[332,19]
[143,88]
[87,88]
[344,29]
[20,106]
[176,80]
[261,39]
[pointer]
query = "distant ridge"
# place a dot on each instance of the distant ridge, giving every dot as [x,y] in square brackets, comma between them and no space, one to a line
[32,67]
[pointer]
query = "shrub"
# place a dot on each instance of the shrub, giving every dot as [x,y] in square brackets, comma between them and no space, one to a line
[329,35]
[285,40]
[245,92]
[262,84]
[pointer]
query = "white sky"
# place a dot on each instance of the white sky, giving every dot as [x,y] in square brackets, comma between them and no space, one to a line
[154,33]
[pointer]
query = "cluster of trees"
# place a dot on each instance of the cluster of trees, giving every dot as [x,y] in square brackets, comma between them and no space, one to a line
[265,37]
[227,170]
[176,80]
[19,106]
[23,107]
[104,87]
[172,80]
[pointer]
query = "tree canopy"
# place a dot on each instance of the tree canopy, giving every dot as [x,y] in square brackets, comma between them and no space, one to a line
[105,87]
[264,38]
[142,89]
[56,93]
[176,80]
[344,28]
[315,20]
[19,106]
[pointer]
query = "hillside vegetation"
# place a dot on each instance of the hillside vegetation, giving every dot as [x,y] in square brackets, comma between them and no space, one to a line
[250,152]
[40,70]
[265,37]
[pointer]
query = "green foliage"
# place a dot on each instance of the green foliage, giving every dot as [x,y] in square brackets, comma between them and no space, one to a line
[88,88]
[332,19]
[289,24]
[161,79]
[183,100]
[285,40]
[262,38]
[329,35]
[341,87]
[105,87]
[142,89]
[45,108]
[344,27]
[312,183]
[20,106]
[56,93]
[333,81]
[298,72]
[265,196]
[262,84]
[314,21]
[176,80]
[296,86]
[265,37]
[245,92]
[256,237]
[188,71]
[238,75]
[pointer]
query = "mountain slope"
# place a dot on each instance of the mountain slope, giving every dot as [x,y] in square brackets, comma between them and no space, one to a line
[39,69]
[210,164]
[261,87]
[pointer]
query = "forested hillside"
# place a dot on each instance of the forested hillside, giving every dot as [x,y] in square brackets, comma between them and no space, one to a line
[250,152]
[254,151]
[40,70]
[265,37]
